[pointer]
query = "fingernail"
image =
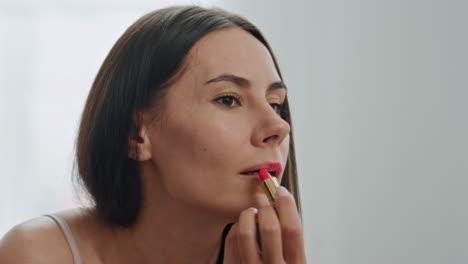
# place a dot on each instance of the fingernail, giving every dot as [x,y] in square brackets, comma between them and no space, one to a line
[255,210]
[281,191]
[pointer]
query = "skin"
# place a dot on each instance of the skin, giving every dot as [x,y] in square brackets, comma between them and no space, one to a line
[191,160]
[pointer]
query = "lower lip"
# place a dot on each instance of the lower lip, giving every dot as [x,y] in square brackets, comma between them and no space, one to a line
[253,176]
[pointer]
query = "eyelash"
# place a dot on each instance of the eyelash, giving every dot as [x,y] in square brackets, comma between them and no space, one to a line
[238,99]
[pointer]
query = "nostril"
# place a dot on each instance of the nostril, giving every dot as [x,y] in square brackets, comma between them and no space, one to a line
[268,138]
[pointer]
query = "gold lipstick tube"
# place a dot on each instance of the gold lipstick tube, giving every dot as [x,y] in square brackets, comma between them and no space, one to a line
[270,185]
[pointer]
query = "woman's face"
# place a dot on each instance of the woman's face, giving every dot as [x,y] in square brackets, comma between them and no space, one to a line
[213,130]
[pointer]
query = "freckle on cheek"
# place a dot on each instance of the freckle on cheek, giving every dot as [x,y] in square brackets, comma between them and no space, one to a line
[204,149]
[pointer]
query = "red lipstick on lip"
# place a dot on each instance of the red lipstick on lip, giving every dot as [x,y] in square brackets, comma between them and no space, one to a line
[276,166]
[270,185]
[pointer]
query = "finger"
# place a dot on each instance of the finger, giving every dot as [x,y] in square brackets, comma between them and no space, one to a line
[270,231]
[291,227]
[246,237]
[231,252]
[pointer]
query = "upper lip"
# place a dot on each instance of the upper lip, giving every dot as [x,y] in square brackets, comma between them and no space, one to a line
[272,166]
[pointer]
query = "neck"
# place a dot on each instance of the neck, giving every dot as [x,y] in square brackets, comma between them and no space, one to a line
[168,231]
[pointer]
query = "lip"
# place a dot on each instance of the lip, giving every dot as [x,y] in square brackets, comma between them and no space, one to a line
[276,166]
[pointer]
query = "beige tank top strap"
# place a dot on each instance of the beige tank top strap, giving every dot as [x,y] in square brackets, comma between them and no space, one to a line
[69,236]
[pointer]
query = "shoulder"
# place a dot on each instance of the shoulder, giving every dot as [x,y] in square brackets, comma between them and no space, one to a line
[39,240]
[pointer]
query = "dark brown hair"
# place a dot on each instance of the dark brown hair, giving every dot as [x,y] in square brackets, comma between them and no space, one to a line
[134,77]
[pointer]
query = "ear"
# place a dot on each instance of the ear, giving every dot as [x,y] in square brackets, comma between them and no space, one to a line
[139,145]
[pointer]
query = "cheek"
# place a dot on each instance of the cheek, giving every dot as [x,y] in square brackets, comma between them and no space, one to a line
[196,144]
[285,147]
[199,131]
[284,151]
[198,158]
[205,141]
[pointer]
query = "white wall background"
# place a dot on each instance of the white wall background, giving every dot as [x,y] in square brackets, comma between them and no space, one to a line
[379,91]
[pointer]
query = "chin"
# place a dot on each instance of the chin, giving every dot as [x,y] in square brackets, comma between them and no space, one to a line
[232,210]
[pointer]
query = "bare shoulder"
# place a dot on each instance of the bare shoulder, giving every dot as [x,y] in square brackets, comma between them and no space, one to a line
[38,240]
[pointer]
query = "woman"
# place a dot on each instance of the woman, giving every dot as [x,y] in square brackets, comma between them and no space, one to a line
[186,107]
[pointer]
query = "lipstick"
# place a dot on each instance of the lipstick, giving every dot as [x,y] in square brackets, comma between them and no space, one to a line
[270,185]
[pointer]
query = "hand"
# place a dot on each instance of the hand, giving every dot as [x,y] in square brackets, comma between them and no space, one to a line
[280,231]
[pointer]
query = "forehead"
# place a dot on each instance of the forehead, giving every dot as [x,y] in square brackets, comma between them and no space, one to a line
[231,50]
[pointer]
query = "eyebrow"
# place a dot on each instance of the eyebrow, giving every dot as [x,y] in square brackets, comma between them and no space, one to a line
[244,83]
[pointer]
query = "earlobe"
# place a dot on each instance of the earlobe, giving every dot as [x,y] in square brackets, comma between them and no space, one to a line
[139,147]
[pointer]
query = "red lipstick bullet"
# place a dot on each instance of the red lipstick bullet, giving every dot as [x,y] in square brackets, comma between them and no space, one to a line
[270,185]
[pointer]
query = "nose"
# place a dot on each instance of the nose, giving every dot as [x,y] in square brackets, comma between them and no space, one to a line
[271,129]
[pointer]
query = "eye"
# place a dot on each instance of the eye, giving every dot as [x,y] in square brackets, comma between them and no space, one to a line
[228,100]
[277,107]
